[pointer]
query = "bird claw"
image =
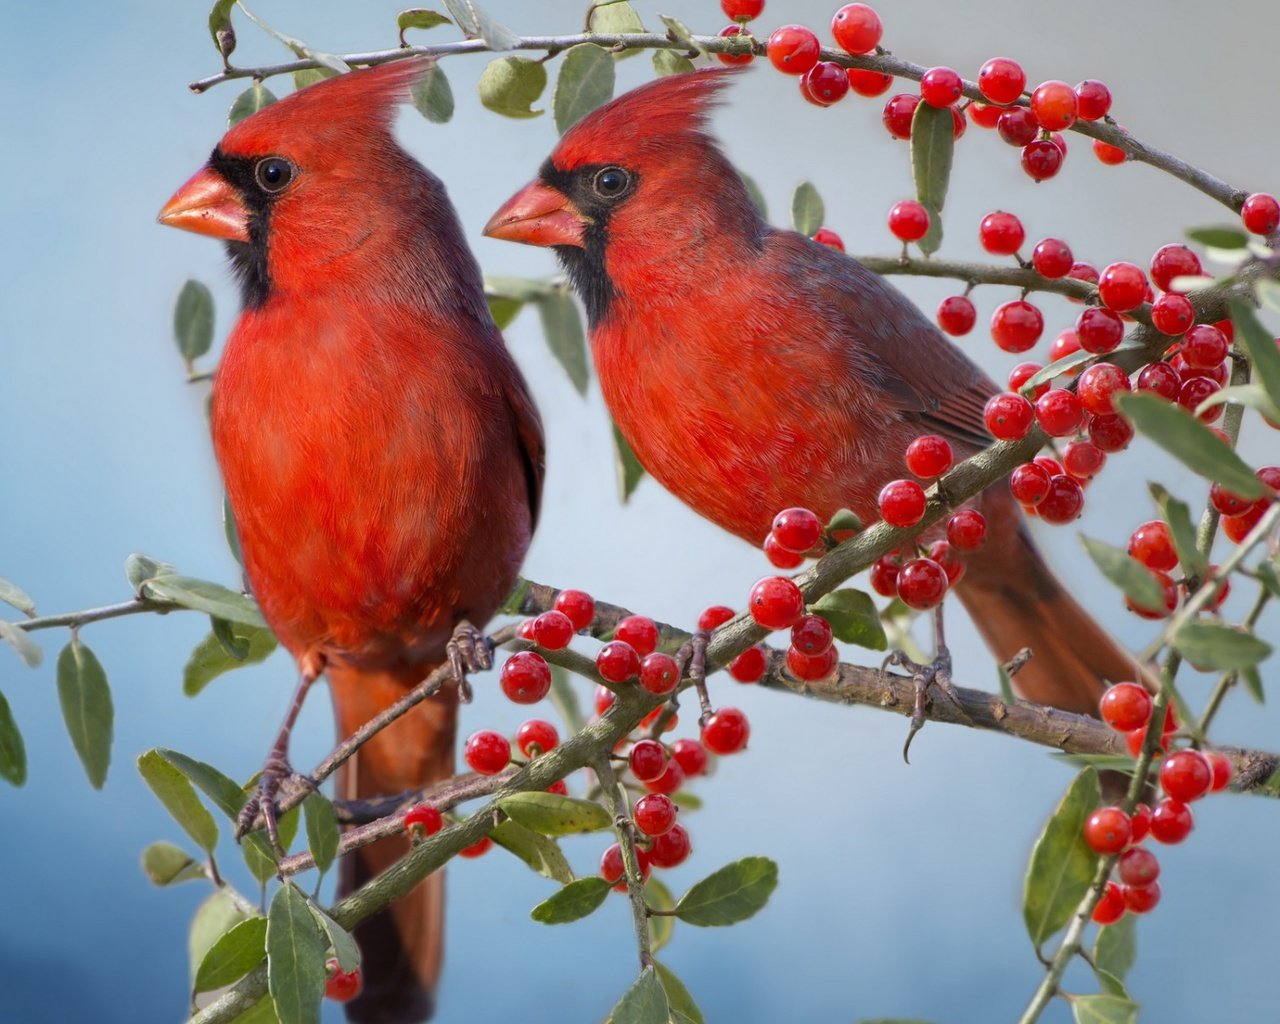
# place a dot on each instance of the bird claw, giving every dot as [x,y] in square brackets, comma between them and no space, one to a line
[936,673]
[693,657]
[468,650]
[277,779]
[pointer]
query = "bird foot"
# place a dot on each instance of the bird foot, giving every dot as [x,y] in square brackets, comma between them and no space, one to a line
[468,650]
[692,657]
[924,677]
[277,780]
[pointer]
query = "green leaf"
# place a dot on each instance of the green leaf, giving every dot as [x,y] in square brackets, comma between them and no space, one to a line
[688,800]
[1219,237]
[932,240]
[585,82]
[932,147]
[229,531]
[310,76]
[213,919]
[562,327]
[13,752]
[1131,576]
[756,196]
[233,956]
[175,791]
[1062,864]
[617,19]
[249,102]
[203,596]
[679,1000]
[643,1003]
[539,852]
[511,85]
[1252,680]
[419,18]
[807,211]
[1006,685]
[1116,947]
[232,643]
[166,864]
[1191,442]
[522,289]
[1054,370]
[576,900]
[668,62]
[555,815]
[227,796]
[14,596]
[853,616]
[503,310]
[1268,292]
[1178,516]
[1121,763]
[139,568]
[342,941]
[1259,343]
[1111,985]
[193,321]
[475,22]
[86,708]
[627,466]
[680,33]
[322,830]
[1253,396]
[661,926]
[1104,1009]
[220,30]
[732,894]
[1268,576]
[432,96]
[20,640]
[295,957]
[210,658]
[1210,645]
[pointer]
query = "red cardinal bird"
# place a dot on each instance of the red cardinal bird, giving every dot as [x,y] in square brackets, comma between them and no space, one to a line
[752,369]
[380,450]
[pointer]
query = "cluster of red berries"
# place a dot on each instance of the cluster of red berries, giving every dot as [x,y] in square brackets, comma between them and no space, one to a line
[1185,776]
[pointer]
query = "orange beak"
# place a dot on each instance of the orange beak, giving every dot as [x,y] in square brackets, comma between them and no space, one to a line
[208,205]
[538,215]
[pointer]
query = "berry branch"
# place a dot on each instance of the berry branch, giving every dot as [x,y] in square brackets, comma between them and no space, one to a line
[615,799]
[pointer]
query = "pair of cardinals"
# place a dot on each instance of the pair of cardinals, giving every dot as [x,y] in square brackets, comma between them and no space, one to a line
[384,458]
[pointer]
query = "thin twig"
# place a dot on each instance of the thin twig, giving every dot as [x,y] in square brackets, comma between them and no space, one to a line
[615,799]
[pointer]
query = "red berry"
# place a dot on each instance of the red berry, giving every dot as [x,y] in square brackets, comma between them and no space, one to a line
[1001,80]
[776,602]
[797,529]
[578,606]
[793,49]
[690,755]
[1042,159]
[884,577]
[1186,775]
[1051,258]
[640,632]
[1169,592]
[1260,213]
[1152,545]
[1055,105]
[1171,822]
[654,814]
[1227,503]
[929,456]
[902,503]
[898,113]
[779,556]
[671,849]
[617,661]
[922,583]
[1099,330]
[1083,460]
[1001,233]
[967,529]
[1204,347]
[526,677]
[671,779]
[487,752]
[552,630]
[985,115]
[1110,433]
[827,237]
[341,986]
[558,788]
[1222,770]
[1093,100]
[944,554]
[1063,502]
[856,28]
[648,760]
[825,83]
[957,315]
[1137,738]
[940,87]
[810,667]
[726,731]
[1172,314]
[1029,484]
[1108,154]
[1125,707]
[1008,416]
[1138,899]
[613,868]
[1022,373]
[1107,830]
[1195,391]
[1016,326]
[734,58]
[1097,386]
[1017,126]
[1160,379]
[909,220]
[1111,907]
[869,83]
[536,736]
[1138,866]
[1236,528]
[741,10]
[1122,286]
[715,615]
[525,630]
[1085,272]
[604,699]
[749,666]
[811,635]
[1059,412]
[659,672]
[1172,261]
[1141,819]
[1050,465]
[422,820]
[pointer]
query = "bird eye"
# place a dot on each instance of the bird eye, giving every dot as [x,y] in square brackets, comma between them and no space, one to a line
[273,173]
[611,182]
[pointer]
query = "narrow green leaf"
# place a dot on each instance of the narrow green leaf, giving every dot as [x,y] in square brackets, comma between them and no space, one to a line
[680,33]
[166,864]
[432,95]
[229,532]
[539,852]
[732,894]
[249,102]
[576,900]
[203,596]
[342,941]
[678,998]
[226,794]
[176,793]
[233,956]
[1211,645]
[1116,947]
[1260,344]
[1121,763]
[1269,576]
[1190,441]
[1252,396]
[1219,237]
[853,616]
[295,957]
[419,18]
[503,310]
[220,30]
[193,320]
[627,466]
[585,82]
[643,1003]
[1062,864]
[232,643]
[932,148]
[669,62]
[14,596]
[661,926]
[1104,1009]
[1268,292]
[522,289]
[1006,685]
[216,916]
[1252,680]
[1178,516]
[210,658]
[259,857]
[555,815]
[932,240]
[322,830]
[807,210]
[86,708]
[511,85]
[617,19]
[139,568]
[756,196]
[13,752]
[1054,370]
[1132,577]
[562,327]
[20,640]
[475,22]
[687,800]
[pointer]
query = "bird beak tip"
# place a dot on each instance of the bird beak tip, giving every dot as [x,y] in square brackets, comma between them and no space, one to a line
[207,205]
[538,215]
